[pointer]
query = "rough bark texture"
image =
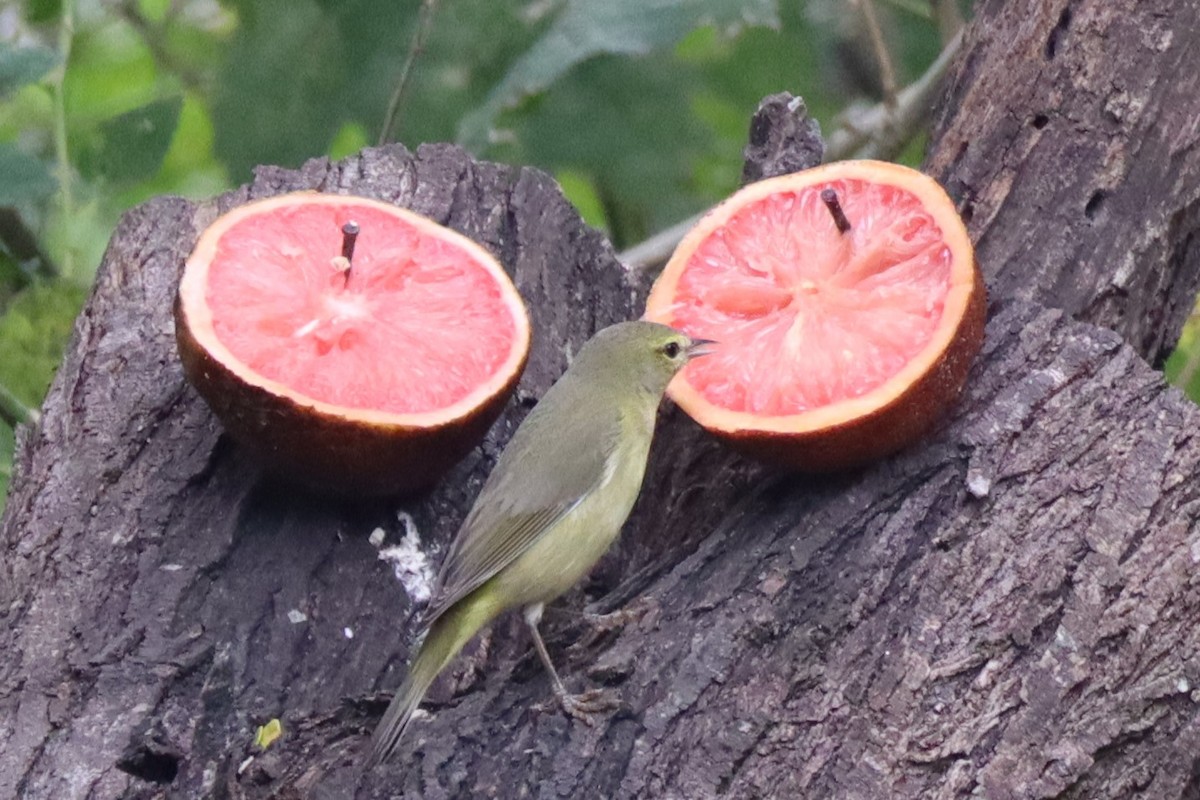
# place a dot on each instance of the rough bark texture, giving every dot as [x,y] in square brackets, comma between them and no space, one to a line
[1007,610]
[783,139]
[1069,138]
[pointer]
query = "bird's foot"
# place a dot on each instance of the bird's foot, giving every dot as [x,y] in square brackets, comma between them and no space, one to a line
[639,609]
[587,706]
[599,625]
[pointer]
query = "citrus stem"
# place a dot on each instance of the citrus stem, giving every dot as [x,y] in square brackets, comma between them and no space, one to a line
[349,237]
[830,199]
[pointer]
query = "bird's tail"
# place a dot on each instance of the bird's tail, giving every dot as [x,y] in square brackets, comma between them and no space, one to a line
[448,634]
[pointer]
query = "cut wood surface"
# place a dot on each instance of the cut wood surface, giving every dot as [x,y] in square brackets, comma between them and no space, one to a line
[1007,610]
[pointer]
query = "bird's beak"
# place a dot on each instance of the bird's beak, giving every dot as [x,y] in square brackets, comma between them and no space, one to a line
[701,347]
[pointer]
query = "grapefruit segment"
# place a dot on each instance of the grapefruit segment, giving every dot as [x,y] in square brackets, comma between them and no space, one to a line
[370,373]
[835,346]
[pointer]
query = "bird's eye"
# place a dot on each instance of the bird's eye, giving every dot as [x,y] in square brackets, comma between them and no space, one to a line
[671,349]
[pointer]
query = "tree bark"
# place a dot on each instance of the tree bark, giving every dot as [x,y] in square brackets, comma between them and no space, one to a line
[1069,136]
[1004,610]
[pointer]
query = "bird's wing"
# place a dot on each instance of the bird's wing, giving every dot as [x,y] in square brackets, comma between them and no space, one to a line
[525,496]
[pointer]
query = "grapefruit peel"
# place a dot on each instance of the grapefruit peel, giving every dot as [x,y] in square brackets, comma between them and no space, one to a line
[848,431]
[345,448]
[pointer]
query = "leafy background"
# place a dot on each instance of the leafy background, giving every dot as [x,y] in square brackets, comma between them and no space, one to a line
[638,107]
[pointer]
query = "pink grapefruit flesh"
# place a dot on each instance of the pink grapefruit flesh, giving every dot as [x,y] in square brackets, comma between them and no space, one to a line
[825,335]
[418,325]
[423,334]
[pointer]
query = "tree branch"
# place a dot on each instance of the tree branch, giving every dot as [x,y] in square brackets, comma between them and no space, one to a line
[13,412]
[391,119]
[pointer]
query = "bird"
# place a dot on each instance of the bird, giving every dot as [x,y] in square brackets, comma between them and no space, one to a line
[552,506]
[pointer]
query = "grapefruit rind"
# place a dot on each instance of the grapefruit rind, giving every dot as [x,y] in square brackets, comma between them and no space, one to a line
[854,430]
[334,447]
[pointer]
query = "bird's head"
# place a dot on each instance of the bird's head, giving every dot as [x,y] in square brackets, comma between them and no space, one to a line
[641,354]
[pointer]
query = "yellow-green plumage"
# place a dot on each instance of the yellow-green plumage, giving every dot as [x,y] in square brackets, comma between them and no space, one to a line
[553,505]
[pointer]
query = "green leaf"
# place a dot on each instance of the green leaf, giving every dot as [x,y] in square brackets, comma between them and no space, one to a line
[24,65]
[23,178]
[349,140]
[586,28]
[38,11]
[580,189]
[112,71]
[130,147]
[265,113]
[155,10]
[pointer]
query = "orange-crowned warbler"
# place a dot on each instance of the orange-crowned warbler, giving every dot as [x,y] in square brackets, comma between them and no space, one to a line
[553,505]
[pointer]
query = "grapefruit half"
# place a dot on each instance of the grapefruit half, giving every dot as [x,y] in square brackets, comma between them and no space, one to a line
[847,307]
[366,374]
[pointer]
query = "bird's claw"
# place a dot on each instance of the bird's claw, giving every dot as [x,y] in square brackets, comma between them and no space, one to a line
[603,623]
[599,625]
[587,706]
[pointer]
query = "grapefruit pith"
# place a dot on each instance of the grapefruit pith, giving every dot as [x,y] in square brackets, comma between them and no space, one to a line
[352,344]
[847,305]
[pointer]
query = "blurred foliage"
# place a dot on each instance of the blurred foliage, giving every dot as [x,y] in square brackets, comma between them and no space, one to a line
[638,107]
[34,327]
[33,331]
[1182,368]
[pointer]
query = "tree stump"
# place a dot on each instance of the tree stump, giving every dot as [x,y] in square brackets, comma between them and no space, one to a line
[1006,610]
